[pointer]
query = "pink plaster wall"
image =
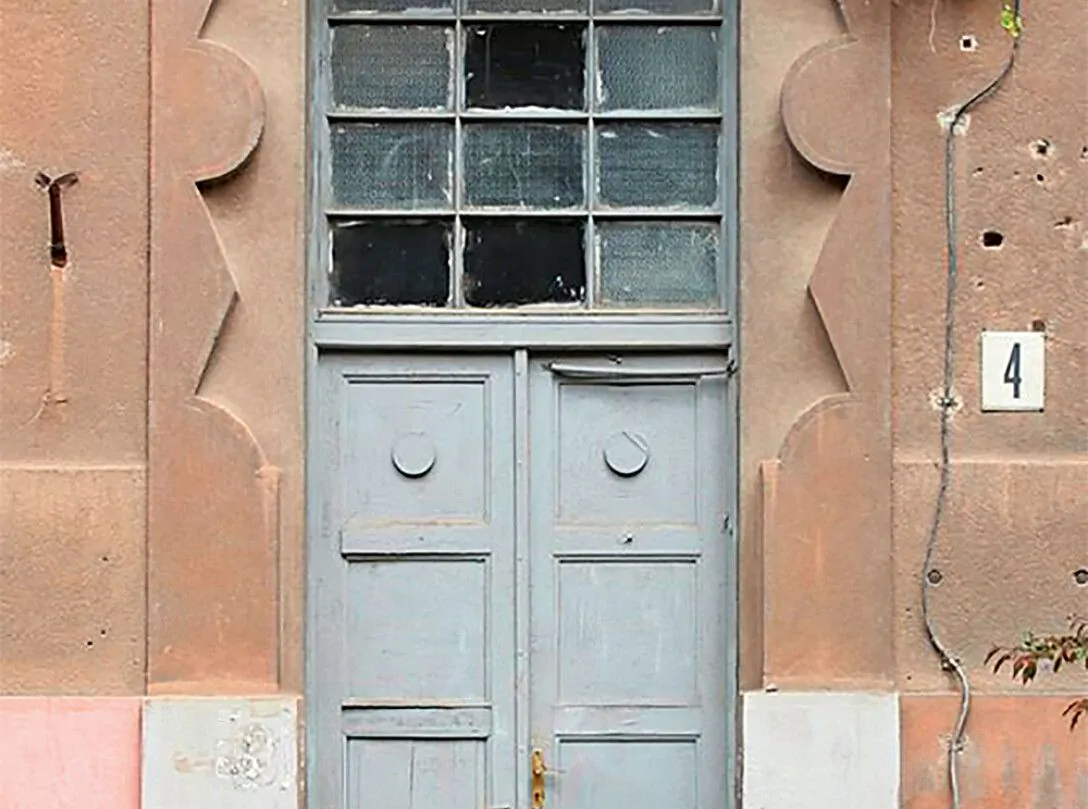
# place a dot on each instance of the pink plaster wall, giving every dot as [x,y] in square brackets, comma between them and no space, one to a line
[60,753]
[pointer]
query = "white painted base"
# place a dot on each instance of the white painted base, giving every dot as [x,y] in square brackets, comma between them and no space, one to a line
[220,752]
[821,751]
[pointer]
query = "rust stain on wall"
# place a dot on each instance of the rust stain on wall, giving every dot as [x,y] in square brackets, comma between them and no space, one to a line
[74,98]
[1019,754]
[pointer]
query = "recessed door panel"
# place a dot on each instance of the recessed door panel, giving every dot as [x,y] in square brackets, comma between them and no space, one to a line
[626,454]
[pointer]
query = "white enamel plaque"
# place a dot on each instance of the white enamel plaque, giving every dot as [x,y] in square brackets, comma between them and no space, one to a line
[1013,370]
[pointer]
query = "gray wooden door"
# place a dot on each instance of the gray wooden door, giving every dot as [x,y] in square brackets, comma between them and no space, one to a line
[520,554]
[629,658]
[412,642]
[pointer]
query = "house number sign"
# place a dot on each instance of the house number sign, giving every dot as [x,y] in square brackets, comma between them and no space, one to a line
[1013,370]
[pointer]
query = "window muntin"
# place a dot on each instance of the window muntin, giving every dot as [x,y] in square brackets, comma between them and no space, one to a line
[547,154]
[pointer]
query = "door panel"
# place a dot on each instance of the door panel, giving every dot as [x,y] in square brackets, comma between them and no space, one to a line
[629,664]
[414,651]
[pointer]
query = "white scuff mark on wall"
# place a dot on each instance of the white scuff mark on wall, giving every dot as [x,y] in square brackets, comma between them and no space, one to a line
[937,401]
[7,351]
[946,117]
[253,759]
[9,161]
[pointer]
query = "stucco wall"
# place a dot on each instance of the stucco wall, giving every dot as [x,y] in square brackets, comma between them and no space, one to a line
[151,493]
[73,349]
[835,615]
[151,390]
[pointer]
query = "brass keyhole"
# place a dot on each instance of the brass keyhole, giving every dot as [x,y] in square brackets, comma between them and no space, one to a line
[537,769]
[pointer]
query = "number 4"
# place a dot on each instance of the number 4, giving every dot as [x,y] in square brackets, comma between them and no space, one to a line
[1012,371]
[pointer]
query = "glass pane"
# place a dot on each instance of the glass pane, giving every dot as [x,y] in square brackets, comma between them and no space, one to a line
[658,67]
[392,66]
[519,261]
[403,166]
[524,165]
[340,6]
[645,263]
[387,262]
[656,164]
[658,6]
[514,6]
[525,65]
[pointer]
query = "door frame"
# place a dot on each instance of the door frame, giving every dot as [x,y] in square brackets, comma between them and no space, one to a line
[404,329]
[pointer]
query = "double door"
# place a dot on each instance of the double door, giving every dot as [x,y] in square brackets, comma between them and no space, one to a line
[521,583]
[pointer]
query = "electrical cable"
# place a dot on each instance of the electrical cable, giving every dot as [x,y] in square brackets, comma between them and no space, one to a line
[947,403]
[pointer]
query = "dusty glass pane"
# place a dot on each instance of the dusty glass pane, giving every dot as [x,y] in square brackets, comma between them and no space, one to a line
[392,66]
[524,165]
[657,164]
[525,65]
[658,6]
[520,261]
[513,6]
[670,264]
[340,6]
[401,166]
[657,67]
[391,261]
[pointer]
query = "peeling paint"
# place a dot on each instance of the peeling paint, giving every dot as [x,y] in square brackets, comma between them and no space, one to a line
[221,752]
[249,760]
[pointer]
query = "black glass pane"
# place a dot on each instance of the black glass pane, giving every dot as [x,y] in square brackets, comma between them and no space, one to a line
[510,262]
[525,65]
[390,262]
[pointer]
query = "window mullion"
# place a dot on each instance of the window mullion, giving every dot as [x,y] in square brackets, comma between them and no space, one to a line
[457,299]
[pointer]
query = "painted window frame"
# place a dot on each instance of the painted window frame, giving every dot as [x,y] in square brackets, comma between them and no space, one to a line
[533,325]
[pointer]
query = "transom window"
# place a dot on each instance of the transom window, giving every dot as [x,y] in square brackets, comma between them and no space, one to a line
[525,153]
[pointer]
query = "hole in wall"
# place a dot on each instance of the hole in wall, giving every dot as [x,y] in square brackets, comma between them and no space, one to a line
[1038,325]
[934,577]
[1081,576]
[968,43]
[978,170]
[90,644]
[1040,178]
[1084,152]
[980,284]
[1041,147]
[1064,222]
[993,239]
